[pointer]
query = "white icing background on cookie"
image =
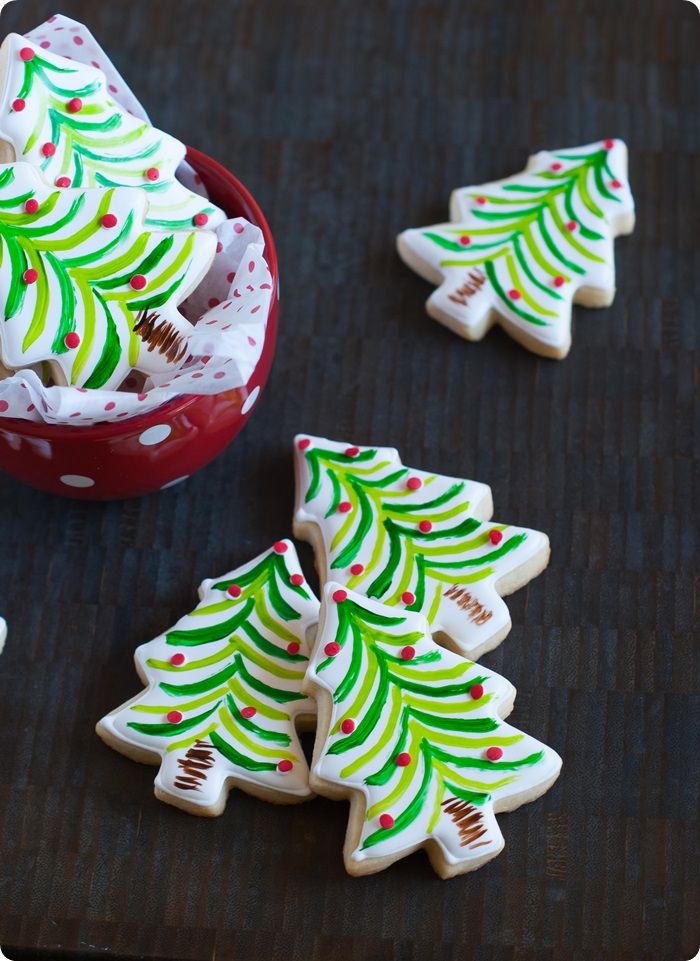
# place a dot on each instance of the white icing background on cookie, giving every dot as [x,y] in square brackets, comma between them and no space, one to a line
[231,304]
[450,618]
[294,782]
[329,766]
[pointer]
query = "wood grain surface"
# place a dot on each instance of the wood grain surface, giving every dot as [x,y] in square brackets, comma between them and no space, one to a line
[350,121]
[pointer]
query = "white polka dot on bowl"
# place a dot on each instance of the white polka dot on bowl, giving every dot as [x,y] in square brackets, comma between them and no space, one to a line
[155,435]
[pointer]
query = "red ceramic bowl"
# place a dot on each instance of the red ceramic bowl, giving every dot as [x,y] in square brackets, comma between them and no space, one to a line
[158,449]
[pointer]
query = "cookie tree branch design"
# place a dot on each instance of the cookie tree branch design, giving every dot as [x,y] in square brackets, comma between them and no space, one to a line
[519,251]
[60,116]
[412,539]
[224,691]
[78,271]
[412,735]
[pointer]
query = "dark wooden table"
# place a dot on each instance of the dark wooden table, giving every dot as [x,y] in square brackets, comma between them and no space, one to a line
[351,121]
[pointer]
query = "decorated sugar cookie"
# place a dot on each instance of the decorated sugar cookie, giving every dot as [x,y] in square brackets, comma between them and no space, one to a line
[519,252]
[414,540]
[60,116]
[86,286]
[412,735]
[224,691]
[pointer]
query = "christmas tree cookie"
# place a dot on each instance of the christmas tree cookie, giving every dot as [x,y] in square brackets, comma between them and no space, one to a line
[519,252]
[413,736]
[60,116]
[224,691]
[86,286]
[414,540]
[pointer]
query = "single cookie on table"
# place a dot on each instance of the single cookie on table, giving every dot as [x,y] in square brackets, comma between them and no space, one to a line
[413,736]
[518,252]
[60,116]
[412,539]
[224,691]
[86,286]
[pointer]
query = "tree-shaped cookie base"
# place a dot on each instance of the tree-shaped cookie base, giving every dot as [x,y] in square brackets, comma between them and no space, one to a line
[413,735]
[60,116]
[86,286]
[415,540]
[224,691]
[518,252]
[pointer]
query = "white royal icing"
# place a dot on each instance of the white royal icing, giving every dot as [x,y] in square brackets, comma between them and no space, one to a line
[412,727]
[527,274]
[244,661]
[462,602]
[101,144]
[75,259]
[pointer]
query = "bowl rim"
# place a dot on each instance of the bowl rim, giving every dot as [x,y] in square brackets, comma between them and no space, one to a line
[171,408]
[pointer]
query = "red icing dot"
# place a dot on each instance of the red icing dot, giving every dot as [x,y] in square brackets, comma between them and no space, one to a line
[48,149]
[293,647]
[138,282]
[414,483]
[481,200]
[152,173]
[174,717]
[407,597]
[219,247]
[344,507]
[110,406]
[555,166]
[75,105]
[200,220]
[279,547]
[408,653]
[616,184]
[297,580]
[465,240]
[304,443]
[609,144]
[109,221]
[18,105]
[571,226]
[63,181]
[348,726]
[339,596]
[213,302]
[238,228]
[30,276]
[494,754]
[495,537]
[112,88]
[234,590]
[559,281]
[403,759]
[476,691]
[78,41]
[45,45]
[248,712]
[425,527]
[352,451]
[5,406]
[332,649]
[177,660]
[31,206]
[386,821]
[285,766]
[514,294]
[26,54]
[357,569]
